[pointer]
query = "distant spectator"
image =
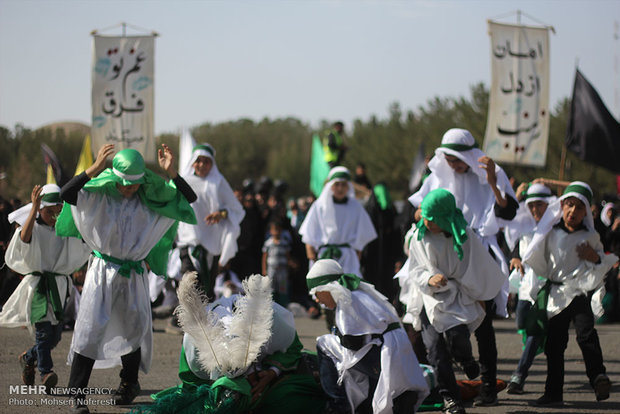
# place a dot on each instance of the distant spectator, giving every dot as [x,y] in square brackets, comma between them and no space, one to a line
[334,147]
[276,255]
[360,176]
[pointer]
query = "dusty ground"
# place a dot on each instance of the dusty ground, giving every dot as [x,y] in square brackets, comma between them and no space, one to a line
[578,395]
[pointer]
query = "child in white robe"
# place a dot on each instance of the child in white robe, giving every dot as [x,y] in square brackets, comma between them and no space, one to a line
[127,214]
[208,246]
[519,233]
[337,226]
[483,193]
[43,294]
[451,272]
[368,358]
[567,255]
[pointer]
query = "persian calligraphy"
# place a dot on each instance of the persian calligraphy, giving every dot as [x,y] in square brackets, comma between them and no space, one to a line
[122,94]
[518,121]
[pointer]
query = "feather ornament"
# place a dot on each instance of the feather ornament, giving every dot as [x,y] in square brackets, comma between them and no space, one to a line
[205,327]
[252,321]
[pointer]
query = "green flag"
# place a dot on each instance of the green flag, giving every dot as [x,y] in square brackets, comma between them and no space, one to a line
[318,167]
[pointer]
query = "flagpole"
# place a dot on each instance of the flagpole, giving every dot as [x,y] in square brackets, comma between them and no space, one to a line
[562,162]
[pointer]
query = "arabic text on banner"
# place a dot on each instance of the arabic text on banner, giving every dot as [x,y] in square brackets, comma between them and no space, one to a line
[122,93]
[518,122]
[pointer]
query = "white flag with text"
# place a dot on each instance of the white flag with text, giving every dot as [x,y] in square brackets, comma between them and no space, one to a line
[123,93]
[518,122]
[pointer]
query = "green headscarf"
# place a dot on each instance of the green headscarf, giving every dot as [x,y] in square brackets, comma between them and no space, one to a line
[382,195]
[157,194]
[439,207]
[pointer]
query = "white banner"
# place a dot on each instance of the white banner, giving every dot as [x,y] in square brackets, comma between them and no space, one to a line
[518,122]
[122,93]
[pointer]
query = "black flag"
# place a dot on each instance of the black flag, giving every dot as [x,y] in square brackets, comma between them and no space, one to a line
[593,133]
[49,158]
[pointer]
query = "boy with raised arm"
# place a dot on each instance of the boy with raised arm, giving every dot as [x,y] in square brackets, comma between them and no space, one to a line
[47,262]
[127,215]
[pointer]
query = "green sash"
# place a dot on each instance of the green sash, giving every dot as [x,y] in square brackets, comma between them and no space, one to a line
[536,321]
[46,293]
[332,251]
[126,266]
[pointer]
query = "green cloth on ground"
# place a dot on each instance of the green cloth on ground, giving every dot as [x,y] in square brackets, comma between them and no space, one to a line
[293,392]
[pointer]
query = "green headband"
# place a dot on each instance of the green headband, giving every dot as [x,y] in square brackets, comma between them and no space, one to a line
[129,163]
[459,147]
[539,195]
[204,147]
[439,207]
[348,280]
[52,198]
[340,174]
[579,189]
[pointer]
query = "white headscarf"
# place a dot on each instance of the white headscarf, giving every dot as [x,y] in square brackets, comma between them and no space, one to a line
[461,144]
[476,201]
[326,199]
[206,150]
[51,197]
[340,294]
[606,220]
[523,221]
[552,216]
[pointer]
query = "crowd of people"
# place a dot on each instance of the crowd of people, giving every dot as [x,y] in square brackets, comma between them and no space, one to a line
[395,287]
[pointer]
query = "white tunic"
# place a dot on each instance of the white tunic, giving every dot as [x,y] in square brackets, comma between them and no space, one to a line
[214,194]
[400,370]
[45,252]
[475,198]
[470,280]
[529,278]
[115,312]
[557,260]
[352,226]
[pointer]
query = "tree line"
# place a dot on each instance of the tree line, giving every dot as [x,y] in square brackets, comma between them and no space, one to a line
[280,148]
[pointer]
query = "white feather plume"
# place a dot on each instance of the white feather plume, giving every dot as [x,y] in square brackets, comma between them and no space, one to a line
[250,327]
[203,326]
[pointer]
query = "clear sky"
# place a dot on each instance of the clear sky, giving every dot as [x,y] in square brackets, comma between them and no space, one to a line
[314,60]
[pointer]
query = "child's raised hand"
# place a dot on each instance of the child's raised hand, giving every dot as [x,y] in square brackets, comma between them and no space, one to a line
[166,160]
[489,165]
[586,252]
[35,197]
[437,280]
[103,154]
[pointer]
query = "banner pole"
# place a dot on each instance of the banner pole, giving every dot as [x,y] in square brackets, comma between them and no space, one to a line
[562,162]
